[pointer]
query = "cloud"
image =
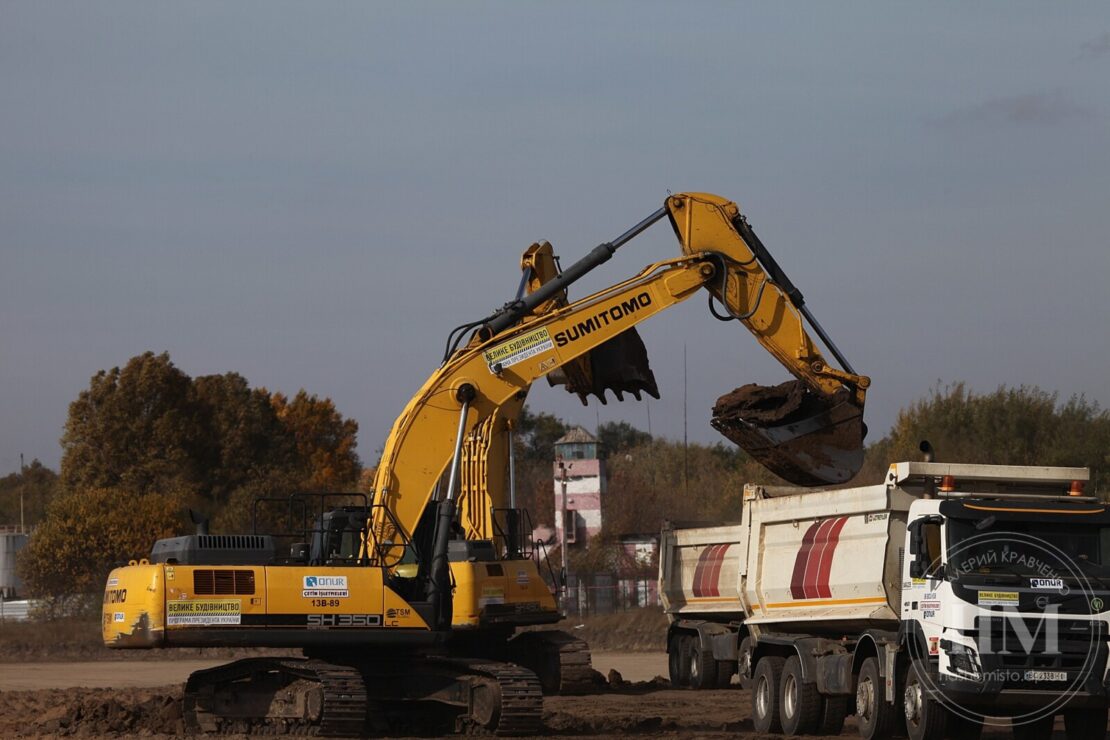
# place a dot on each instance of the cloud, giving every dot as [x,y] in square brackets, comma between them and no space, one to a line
[1036,109]
[1097,47]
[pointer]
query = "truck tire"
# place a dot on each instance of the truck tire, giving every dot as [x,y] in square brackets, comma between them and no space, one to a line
[677,663]
[834,709]
[765,694]
[874,713]
[1085,724]
[800,706]
[926,718]
[703,668]
[1038,729]
[725,670]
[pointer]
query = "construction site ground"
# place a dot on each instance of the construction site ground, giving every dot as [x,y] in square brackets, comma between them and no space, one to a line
[57,681]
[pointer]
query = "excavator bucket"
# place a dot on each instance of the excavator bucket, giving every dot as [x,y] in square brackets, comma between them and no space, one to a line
[619,365]
[798,435]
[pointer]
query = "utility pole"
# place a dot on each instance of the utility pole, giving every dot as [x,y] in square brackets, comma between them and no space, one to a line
[565,575]
[685,436]
[22,487]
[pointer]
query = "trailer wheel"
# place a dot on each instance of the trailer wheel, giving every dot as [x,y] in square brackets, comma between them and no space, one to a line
[1039,729]
[801,704]
[873,712]
[1085,724]
[677,664]
[834,709]
[765,694]
[926,718]
[703,668]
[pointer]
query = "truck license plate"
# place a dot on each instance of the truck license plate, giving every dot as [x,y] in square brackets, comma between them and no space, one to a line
[1046,676]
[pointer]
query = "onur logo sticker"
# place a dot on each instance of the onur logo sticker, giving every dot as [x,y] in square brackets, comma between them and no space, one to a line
[325,587]
[1034,628]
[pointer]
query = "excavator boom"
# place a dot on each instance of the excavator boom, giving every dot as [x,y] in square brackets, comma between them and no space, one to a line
[809,431]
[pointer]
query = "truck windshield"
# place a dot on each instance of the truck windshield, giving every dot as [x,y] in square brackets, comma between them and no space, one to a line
[1037,548]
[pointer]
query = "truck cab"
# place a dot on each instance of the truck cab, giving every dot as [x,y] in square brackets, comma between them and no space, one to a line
[1006,594]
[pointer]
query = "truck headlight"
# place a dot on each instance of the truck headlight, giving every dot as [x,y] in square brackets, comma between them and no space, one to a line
[962,660]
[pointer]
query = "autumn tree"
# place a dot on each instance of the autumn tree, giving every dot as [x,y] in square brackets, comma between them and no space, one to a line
[324,440]
[534,445]
[1009,426]
[36,485]
[213,440]
[83,536]
[246,442]
[137,428]
[616,436]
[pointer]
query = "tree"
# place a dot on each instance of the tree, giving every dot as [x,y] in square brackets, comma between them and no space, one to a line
[1010,426]
[324,440]
[137,429]
[615,436]
[534,445]
[212,441]
[536,435]
[83,536]
[36,484]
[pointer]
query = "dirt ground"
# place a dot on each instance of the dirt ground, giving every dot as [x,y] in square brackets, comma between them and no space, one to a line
[129,698]
[56,679]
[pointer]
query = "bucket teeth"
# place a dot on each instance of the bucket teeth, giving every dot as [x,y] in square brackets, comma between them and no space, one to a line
[619,365]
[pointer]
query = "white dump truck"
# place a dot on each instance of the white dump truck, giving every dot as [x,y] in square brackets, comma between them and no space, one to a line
[947,597]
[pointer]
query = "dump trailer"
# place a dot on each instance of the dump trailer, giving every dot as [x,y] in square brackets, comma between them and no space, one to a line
[948,597]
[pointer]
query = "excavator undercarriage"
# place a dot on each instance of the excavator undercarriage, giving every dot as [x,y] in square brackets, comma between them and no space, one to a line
[351,698]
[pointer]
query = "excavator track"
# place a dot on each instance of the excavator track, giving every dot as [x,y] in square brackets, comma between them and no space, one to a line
[265,696]
[521,699]
[561,660]
[276,695]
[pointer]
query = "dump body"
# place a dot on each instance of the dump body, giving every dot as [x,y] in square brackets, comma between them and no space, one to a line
[828,559]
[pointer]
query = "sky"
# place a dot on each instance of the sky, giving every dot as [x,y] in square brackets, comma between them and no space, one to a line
[314,194]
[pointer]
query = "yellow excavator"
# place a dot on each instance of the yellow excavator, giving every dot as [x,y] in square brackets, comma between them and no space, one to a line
[406,601]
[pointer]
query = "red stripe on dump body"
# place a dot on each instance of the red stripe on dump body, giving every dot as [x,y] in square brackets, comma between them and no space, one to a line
[713,574]
[798,576]
[813,563]
[708,571]
[809,583]
[824,568]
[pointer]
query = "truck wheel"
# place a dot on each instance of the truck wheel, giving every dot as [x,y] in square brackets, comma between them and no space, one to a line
[744,663]
[703,668]
[801,704]
[833,711]
[765,694]
[1085,724]
[725,669]
[926,718]
[677,664]
[1038,729]
[873,712]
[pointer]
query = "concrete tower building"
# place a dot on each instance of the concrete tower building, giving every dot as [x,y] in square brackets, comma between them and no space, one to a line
[578,464]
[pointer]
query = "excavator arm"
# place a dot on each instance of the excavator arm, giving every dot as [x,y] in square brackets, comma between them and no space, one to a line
[480,386]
